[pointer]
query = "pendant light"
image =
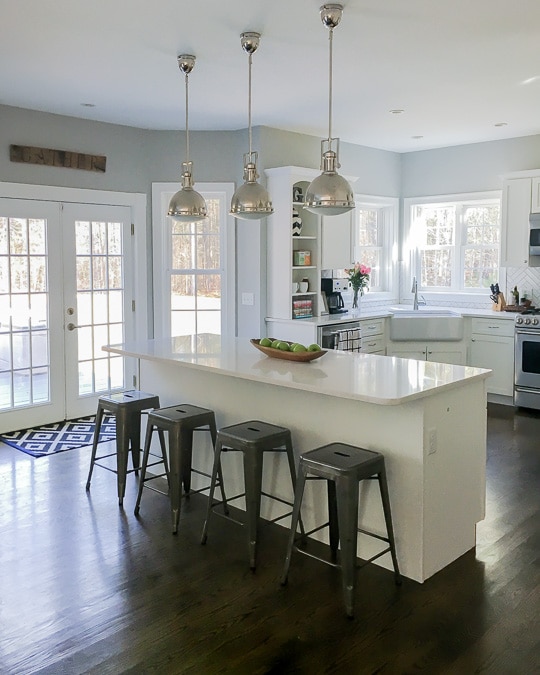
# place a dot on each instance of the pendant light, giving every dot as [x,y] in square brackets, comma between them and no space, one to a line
[187,205]
[251,200]
[329,194]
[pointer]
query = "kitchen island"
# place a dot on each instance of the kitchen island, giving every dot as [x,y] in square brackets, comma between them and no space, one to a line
[428,419]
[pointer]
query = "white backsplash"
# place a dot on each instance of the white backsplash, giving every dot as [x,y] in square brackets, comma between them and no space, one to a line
[527,280]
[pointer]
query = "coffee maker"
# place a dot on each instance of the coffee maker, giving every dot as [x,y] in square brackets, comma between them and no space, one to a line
[332,289]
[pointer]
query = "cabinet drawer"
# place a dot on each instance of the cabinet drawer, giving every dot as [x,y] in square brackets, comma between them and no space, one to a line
[372,327]
[493,327]
[372,344]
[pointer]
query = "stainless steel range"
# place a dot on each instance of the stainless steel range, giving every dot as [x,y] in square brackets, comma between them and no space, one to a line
[527,359]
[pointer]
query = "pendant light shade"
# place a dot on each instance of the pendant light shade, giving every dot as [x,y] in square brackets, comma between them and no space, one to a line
[187,205]
[251,200]
[329,194]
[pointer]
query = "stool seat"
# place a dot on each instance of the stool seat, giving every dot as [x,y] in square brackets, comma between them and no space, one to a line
[253,439]
[343,466]
[179,421]
[126,406]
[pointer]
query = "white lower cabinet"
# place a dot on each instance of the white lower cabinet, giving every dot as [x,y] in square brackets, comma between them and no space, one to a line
[373,336]
[441,352]
[492,346]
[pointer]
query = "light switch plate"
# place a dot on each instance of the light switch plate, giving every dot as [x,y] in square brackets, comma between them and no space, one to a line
[247,298]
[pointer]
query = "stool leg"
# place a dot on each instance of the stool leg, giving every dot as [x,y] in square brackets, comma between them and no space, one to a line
[213,434]
[292,469]
[253,464]
[133,421]
[122,451]
[186,439]
[333,523]
[298,495]
[97,429]
[146,453]
[175,475]
[347,501]
[383,486]
[164,454]
[216,467]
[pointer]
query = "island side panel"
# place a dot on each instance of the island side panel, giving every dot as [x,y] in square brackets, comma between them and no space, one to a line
[455,473]
[315,419]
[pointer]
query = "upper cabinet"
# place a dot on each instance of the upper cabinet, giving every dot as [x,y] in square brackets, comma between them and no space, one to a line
[521,197]
[337,241]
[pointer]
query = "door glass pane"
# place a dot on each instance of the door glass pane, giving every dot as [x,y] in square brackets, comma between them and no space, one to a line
[25,338]
[100,273]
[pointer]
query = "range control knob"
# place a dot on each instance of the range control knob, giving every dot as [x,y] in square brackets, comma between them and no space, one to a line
[519,320]
[534,322]
[527,321]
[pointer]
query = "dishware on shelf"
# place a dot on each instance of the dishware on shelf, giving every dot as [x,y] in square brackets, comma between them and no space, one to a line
[301,357]
[303,286]
[295,287]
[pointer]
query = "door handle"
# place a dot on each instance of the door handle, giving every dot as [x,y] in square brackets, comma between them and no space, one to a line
[71,326]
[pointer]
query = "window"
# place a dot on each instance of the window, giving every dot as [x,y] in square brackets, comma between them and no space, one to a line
[456,243]
[193,265]
[376,240]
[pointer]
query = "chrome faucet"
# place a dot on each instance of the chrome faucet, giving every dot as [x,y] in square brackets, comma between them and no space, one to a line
[414,290]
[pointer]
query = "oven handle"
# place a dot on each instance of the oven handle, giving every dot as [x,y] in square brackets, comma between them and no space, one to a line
[524,331]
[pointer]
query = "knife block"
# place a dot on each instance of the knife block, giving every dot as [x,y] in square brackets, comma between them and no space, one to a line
[500,304]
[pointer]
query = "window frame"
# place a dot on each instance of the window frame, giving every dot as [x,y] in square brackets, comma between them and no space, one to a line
[411,252]
[388,207]
[161,196]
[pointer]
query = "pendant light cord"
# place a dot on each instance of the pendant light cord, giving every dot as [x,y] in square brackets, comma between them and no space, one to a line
[187,127]
[249,101]
[330,38]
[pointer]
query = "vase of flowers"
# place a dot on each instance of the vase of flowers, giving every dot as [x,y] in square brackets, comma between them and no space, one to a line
[358,277]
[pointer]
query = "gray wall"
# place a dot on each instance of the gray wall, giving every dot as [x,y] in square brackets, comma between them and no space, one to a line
[467,168]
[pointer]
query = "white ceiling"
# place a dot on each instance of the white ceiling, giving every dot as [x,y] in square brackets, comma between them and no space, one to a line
[456,68]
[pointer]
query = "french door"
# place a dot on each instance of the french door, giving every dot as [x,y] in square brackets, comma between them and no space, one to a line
[65,290]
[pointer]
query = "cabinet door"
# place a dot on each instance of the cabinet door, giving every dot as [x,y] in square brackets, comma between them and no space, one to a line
[497,354]
[515,222]
[418,353]
[336,242]
[453,355]
[535,204]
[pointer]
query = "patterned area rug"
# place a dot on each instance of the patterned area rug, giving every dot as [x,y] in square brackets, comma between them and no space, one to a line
[53,438]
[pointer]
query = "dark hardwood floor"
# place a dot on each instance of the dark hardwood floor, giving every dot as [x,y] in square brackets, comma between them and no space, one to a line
[88,588]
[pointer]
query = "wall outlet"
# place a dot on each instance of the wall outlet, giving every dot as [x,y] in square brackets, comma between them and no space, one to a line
[247,298]
[432,441]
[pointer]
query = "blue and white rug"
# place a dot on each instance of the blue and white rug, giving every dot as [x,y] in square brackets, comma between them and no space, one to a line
[52,438]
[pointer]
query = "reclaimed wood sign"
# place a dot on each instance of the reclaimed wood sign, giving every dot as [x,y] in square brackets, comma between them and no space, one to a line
[61,158]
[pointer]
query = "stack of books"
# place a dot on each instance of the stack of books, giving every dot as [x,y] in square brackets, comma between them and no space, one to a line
[302,309]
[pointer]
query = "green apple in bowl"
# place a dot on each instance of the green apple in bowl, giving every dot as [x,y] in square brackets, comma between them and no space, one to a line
[265,342]
[284,346]
[298,348]
[314,348]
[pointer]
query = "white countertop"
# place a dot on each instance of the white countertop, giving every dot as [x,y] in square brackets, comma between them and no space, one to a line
[383,380]
[366,313]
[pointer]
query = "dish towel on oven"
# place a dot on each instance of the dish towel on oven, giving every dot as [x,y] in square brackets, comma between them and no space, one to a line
[349,340]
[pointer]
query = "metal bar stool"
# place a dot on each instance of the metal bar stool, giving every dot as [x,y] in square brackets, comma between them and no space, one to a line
[253,439]
[126,407]
[180,421]
[343,467]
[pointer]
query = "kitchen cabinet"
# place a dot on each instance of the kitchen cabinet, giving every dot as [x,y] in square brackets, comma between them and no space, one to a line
[441,352]
[283,249]
[535,195]
[373,336]
[492,346]
[337,242]
[516,207]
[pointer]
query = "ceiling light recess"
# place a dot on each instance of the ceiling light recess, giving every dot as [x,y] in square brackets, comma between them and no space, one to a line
[329,194]
[187,205]
[251,200]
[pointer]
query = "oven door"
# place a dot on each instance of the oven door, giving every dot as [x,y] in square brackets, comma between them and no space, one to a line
[527,359]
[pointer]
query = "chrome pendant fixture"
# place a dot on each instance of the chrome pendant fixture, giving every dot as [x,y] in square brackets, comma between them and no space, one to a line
[251,200]
[329,194]
[187,205]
